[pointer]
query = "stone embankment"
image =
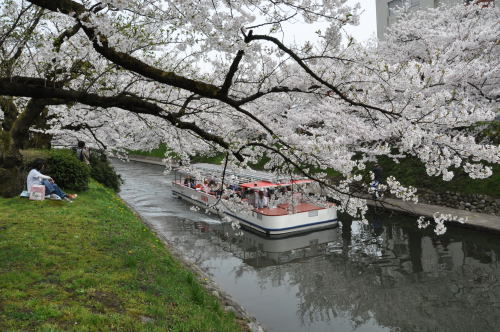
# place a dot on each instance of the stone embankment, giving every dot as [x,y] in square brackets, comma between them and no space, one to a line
[146,159]
[473,203]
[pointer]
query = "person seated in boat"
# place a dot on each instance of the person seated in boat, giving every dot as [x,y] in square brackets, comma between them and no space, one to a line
[235,190]
[189,182]
[206,187]
[212,187]
[296,197]
[261,200]
[220,190]
[198,186]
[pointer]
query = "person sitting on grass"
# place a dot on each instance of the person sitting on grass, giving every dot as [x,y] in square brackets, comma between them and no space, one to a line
[35,177]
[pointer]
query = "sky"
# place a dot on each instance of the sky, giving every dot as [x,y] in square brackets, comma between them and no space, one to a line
[363,32]
[367,27]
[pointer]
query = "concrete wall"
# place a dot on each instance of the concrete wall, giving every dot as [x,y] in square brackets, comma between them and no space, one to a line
[386,16]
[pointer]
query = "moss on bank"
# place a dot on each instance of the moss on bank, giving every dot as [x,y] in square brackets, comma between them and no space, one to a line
[93,266]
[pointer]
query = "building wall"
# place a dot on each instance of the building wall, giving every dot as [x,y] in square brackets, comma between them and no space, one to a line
[386,15]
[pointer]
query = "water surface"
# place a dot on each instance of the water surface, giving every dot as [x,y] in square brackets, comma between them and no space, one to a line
[385,276]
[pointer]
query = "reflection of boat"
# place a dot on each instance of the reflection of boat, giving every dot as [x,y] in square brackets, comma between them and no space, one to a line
[259,251]
[295,215]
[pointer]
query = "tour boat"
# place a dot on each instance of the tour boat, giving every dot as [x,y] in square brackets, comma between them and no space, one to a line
[281,220]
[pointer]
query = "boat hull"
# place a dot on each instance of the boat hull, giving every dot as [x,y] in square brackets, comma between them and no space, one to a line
[271,225]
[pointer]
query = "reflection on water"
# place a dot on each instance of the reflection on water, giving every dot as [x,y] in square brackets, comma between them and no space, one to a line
[385,276]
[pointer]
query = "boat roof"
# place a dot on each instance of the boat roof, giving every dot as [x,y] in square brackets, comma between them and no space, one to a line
[258,184]
[265,184]
[245,177]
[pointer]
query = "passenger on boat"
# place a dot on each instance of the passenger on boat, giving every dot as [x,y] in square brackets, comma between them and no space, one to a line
[213,187]
[206,187]
[189,182]
[296,197]
[261,200]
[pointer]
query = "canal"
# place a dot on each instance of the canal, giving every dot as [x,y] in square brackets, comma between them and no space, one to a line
[384,276]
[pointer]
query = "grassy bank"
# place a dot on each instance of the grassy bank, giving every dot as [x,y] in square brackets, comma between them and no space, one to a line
[160,152]
[93,266]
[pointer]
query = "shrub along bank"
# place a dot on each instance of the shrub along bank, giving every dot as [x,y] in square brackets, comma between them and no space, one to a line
[69,172]
[93,266]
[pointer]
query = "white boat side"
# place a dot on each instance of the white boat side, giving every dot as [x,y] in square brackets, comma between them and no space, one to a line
[277,225]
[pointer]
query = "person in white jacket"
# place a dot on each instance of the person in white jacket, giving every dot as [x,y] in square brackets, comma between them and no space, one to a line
[35,177]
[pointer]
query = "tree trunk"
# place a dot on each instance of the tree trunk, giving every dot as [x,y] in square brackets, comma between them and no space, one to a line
[14,134]
[12,175]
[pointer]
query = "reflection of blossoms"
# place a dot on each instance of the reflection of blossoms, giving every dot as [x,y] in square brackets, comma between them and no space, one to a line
[423,222]
[440,219]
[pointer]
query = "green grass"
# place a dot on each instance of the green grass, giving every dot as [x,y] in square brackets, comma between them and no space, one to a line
[159,152]
[93,266]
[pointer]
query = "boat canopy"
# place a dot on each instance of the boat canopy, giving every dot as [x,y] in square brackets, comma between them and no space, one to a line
[258,184]
[265,184]
[244,177]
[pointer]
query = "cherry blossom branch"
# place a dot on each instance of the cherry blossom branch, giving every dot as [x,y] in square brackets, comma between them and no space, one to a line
[251,37]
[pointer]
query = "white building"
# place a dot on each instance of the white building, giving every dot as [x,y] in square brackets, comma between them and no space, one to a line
[387,14]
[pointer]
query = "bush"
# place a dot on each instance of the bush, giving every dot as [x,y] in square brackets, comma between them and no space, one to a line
[103,172]
[67,170]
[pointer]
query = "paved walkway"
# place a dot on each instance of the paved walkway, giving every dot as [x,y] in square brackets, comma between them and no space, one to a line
[146,159]
[475,219]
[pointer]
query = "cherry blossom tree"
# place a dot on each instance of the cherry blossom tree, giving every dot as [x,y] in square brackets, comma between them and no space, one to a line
[223,76]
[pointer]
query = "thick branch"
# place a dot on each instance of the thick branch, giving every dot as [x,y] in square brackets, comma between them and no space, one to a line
[37,89]
[101,45]
[21,126]
[276,89]
[66,34]
[230,74]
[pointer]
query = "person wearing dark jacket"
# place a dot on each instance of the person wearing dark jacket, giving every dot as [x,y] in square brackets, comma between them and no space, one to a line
[377,180]
[83,153]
